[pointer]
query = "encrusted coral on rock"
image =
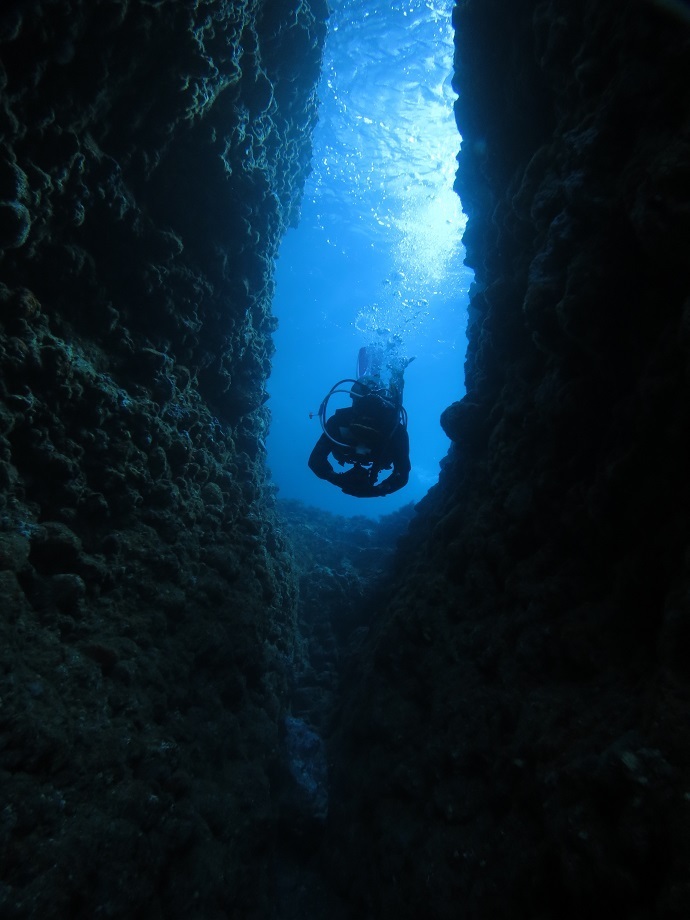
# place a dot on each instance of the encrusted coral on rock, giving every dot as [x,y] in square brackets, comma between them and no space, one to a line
[151,156]
[516,743]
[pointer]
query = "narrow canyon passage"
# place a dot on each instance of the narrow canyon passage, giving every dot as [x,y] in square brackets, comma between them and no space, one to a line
[217,704]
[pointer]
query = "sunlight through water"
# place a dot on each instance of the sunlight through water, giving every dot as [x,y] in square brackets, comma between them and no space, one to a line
[389,164]
[377,256]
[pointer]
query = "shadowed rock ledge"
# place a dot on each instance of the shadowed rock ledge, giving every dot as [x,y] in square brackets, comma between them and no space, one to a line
[516,742]
[151,157]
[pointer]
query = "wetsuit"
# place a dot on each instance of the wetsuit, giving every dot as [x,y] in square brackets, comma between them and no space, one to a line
[364,447]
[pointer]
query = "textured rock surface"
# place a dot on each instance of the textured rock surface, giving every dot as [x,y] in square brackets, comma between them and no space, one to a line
[151,156]
[343,566]
[340,564]
[513,733]
[517,744]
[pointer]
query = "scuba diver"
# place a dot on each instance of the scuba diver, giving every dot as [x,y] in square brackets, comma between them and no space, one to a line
[371,434]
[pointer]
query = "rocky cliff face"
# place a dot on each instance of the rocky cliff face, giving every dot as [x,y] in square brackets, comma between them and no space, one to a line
[512,737]
[151,156]
[517,744]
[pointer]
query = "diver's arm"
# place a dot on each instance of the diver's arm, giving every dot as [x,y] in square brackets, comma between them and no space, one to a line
[395,481]
[401,465]
[318,460]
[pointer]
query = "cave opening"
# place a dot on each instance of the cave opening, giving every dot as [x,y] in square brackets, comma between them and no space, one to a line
[377,256]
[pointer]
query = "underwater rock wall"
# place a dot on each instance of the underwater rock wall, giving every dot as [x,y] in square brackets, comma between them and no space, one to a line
[151,156]
[340,565]
[517,743]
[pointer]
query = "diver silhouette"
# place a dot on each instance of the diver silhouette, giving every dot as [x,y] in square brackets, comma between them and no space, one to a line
[371,435]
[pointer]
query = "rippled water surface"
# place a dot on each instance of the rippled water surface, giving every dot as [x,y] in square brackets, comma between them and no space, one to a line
[376,257]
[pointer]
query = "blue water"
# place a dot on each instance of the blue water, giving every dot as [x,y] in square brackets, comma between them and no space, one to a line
[377,255]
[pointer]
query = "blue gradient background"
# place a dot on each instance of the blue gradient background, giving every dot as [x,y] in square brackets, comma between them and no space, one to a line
[376,256]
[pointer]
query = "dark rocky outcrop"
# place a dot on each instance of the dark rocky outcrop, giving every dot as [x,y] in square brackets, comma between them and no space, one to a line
[151,156]
[517,743]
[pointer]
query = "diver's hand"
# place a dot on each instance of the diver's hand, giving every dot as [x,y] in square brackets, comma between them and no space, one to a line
[356,482]
[344,483]
[392,484]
